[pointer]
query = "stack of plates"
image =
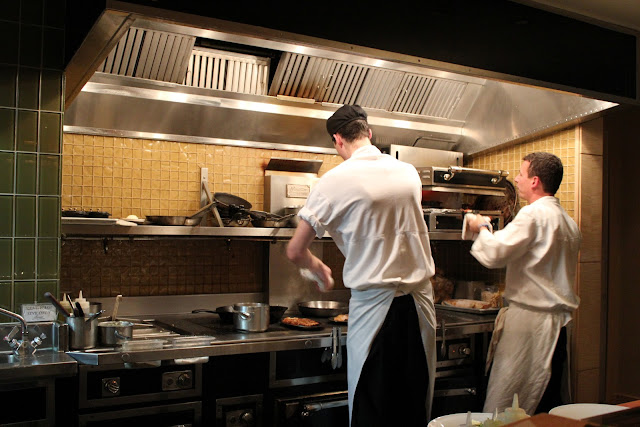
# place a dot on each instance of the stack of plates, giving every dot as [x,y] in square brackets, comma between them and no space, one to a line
[457,420]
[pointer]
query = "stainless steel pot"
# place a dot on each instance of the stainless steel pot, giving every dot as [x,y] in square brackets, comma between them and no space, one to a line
[251,316]
[115,332]
[83,334]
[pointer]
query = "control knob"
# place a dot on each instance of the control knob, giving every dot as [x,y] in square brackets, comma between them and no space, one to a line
[184,380]
[112,385]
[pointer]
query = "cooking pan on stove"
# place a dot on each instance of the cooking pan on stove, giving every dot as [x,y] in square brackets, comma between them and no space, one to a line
[323,308]
[226,313]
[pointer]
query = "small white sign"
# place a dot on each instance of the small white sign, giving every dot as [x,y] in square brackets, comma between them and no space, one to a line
[41,312]
[298,191]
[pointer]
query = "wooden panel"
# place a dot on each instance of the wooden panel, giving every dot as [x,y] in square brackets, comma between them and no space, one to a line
[587,387]
[588,316]
[591,207]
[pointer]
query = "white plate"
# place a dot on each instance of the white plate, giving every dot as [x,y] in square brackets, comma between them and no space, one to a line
[580,411]
[457,420]
[137,221]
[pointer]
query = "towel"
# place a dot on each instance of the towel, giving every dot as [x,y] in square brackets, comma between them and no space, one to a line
[468,234]
[495,337]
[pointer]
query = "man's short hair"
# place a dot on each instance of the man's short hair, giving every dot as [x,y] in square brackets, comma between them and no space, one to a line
[548,168]
[354,130]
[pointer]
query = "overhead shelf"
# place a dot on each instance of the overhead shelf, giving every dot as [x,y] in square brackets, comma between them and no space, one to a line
[91,230]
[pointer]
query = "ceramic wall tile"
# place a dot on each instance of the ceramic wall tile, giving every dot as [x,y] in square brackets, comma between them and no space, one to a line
[30,45]
[27,131]
[24,263]
[51,90]
[5,297]
[23,293]
[7,129]
[50,131]
[8,76]
[9,34]
[26,172]
[25,220]
[6,213]
[48,216]
[6,258]
[28,88]
[6,172]
[47,258]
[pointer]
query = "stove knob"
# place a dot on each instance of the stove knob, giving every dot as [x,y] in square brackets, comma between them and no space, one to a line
[465,350]
[184,380]
[246,419]
[112,385]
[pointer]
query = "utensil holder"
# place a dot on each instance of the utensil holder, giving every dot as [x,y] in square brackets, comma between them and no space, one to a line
[83,335]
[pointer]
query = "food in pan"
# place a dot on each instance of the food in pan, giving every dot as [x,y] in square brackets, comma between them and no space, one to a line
[299,321]
[442,287]
[341,318]
[468,303]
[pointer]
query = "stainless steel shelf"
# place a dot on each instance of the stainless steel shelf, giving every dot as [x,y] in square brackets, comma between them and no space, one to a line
[90,230]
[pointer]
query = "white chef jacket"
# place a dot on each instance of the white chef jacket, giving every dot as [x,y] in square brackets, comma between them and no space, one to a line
[371,206]
[540,251]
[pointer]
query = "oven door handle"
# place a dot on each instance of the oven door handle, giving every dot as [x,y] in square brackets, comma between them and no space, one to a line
[308,408]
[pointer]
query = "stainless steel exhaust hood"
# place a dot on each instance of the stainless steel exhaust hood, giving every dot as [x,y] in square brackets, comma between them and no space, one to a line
[153,81]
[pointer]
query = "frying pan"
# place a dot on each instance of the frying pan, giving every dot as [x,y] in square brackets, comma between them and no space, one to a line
[323,308]
[180,220]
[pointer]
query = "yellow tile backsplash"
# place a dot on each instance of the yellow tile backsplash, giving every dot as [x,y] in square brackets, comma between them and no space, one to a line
[563,144]
[126,176]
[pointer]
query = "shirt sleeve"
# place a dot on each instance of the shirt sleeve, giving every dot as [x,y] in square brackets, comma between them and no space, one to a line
[495,250]
[316,212]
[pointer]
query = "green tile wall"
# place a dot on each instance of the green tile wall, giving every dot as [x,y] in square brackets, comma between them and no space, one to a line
[31,117]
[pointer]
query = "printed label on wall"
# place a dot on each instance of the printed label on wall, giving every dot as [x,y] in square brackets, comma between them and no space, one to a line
[298,191]
[43,312]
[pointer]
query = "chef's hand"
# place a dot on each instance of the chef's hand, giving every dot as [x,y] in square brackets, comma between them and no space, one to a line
[322,272]
[474,223]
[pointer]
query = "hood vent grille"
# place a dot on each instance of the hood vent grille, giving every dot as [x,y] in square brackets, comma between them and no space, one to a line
[338,82]
[213,69]
[150,54]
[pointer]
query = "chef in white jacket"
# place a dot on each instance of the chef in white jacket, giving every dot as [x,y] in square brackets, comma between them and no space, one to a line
[371,206]
[539,249]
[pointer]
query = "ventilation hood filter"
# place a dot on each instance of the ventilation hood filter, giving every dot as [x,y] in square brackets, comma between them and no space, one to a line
[340,82]
[150,54]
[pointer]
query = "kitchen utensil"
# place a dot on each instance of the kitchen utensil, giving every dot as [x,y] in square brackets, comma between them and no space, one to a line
[339,362]
[251,316]
[581,411]
[115,332]
[83,335]
[57,304]
[178,220]
[293,210]
[275,313]
[229,200]
[334,347]
[323,308]
[272,221]
[225,312]
[73,306]
[92,316]
[116,306]
[79,309]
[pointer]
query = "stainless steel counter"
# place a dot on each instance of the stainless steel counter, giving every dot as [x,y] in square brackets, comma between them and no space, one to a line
[227,341]
[46,363]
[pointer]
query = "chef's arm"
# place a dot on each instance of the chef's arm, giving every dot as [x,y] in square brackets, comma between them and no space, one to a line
[298,252]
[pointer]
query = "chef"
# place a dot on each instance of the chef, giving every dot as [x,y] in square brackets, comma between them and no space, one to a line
[540,251]
[371,206]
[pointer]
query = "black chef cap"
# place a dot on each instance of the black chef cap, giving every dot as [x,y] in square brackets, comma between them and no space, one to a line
[344,115]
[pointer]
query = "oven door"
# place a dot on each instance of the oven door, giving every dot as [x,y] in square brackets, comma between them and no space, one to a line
[314,410]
